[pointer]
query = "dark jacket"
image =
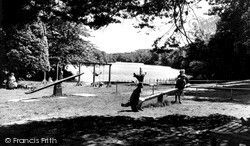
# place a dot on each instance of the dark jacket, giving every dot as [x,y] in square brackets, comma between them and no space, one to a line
[181,81]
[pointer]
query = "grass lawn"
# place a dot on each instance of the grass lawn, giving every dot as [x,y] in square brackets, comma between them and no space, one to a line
[100,120]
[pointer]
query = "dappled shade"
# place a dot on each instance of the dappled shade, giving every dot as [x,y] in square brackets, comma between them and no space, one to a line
[120,130]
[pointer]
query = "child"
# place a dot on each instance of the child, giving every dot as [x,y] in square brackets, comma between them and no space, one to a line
[12,84]
[181,81]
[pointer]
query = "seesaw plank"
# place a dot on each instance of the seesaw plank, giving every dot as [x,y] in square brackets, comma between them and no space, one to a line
[157,95]
[51,84]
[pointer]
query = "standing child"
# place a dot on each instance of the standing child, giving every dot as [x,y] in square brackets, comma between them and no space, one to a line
[181,81]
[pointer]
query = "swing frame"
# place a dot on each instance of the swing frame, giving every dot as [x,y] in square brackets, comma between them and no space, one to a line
[94,71]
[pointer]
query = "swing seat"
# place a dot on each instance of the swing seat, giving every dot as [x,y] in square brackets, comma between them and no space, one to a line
[97,84]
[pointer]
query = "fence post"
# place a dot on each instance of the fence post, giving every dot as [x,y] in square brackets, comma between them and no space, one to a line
[116,88]
[153,89]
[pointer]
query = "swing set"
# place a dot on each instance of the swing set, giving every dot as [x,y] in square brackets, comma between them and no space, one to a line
[95,74]
[79,83]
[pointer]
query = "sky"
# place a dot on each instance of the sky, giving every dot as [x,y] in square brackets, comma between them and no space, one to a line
[123,37]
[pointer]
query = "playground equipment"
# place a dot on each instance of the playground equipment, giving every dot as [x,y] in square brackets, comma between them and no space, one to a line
[159,96]
[95,73]
[57,89]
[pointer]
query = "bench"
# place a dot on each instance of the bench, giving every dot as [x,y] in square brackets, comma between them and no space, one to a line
[234,133]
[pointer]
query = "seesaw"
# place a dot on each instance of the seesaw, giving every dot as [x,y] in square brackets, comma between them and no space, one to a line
[159,96]
[54,83]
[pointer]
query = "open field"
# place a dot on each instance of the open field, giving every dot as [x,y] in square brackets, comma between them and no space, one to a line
[101,120]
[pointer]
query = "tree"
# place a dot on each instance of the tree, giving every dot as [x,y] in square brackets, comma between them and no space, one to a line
[95,14]
[24,50]
[225,55]
[139,56]
[98,13]
[230,43]
[68,45]
[26,28]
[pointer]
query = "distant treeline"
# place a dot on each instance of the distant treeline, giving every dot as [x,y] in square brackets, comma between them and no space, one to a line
[146,56]
[139,56]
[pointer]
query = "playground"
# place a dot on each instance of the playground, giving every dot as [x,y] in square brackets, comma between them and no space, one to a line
[100,108]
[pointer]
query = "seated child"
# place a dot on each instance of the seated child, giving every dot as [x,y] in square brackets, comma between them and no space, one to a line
[12,84]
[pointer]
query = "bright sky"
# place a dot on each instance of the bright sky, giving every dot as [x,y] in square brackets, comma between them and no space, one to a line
[123,37]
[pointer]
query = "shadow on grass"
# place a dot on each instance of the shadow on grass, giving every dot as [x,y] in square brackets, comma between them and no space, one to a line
[219,96]
[125,111]
[118,130]
[211,99]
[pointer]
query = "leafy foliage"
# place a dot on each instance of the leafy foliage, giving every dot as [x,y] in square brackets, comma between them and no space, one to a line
[62,21]
[24,49]
[32,31]
[67,44]
[225,56]
[229,45]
